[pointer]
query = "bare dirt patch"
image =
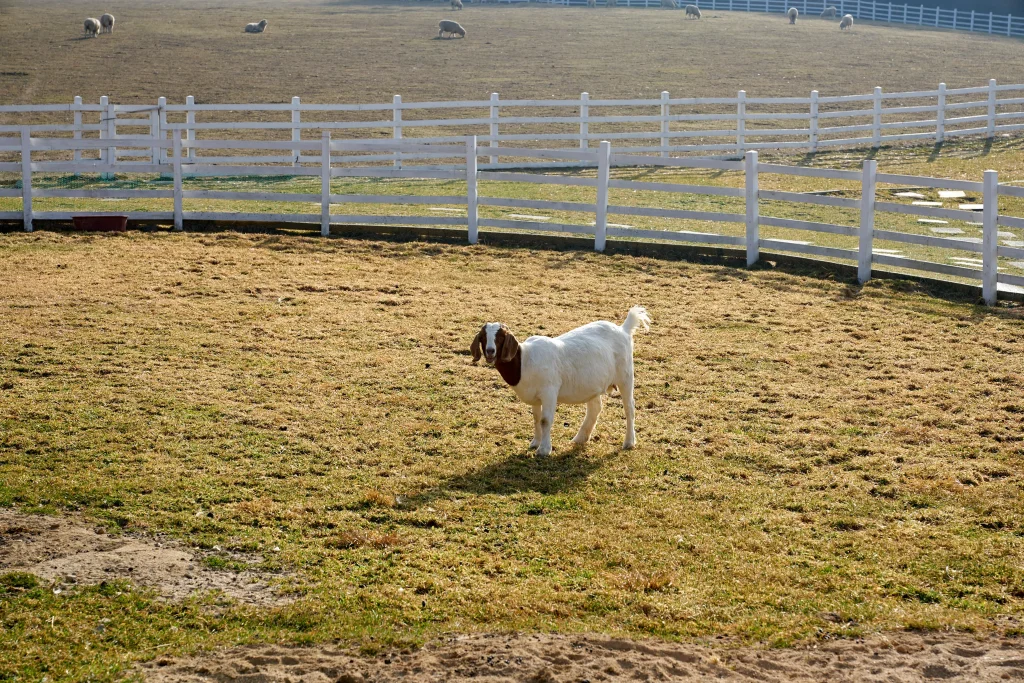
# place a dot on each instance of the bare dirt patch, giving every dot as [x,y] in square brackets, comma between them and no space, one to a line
[544,658]
[67,551]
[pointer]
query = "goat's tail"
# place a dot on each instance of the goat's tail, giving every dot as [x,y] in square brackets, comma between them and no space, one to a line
[636,317]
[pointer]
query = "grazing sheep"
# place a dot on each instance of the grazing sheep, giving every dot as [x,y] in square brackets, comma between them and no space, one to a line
[107,23]
[846,22]
[792,14]
[456,4]
[670,4]
[580,366]
[828,13]
[92,27]
[256,28]
[692,11]
[450,27]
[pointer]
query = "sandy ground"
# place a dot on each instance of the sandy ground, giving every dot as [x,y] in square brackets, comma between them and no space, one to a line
[66,551]
[551,658]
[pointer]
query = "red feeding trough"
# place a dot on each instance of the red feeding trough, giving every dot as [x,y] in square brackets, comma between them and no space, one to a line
[101,223]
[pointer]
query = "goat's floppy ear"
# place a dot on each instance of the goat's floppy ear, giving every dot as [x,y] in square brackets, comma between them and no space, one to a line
[474,348]
[509,346]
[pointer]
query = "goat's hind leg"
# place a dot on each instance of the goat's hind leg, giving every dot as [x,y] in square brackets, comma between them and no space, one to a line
[589,422]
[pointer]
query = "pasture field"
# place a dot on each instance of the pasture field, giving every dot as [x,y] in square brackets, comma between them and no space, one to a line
[352,51]
[813,459]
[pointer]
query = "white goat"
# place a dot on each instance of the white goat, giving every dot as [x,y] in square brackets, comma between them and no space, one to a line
[581,366]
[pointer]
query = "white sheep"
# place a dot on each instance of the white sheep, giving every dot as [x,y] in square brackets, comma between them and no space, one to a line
[450,27]
[581,366]
[846,22]
[792,14]
[92,27]
[107,23]
[692,11]
[256,28]
[456,4]
[828,13]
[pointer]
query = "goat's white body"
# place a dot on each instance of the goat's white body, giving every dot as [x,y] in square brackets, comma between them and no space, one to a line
[580,366]
[583,363]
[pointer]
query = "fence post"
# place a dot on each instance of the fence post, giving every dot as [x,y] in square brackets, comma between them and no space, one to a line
[1009,23]
[178,194]
[397,103]
[940,115]
[990,15]
[105,133]
[936,17]
[76,107]
[156,153]
[741,121]
[26,177]
[753,210]
[604,158]
[296,131]
[190,120]
[990,132]
[664,123]
[920,17]
[814,122]
[325,184]
[584,124]
[472,212]
[867,220]
[876,126]
[495,111]
[990,238]
[954,18]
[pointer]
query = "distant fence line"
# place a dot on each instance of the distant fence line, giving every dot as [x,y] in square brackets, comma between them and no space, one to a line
[672,126]
[865,10]
[459,161]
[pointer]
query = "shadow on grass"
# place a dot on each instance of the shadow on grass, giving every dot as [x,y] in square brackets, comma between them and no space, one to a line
[519,473]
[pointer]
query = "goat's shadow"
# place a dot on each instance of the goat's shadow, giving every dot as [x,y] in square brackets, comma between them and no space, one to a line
[520,472]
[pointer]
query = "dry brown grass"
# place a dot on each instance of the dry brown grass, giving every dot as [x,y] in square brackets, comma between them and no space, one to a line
[802,451]
[350,51]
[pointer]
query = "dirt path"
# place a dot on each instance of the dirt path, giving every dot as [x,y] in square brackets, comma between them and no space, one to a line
[551,658]
[66,551]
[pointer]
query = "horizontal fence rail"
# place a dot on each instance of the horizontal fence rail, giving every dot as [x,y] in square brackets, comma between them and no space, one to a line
[666,126]
[330,158]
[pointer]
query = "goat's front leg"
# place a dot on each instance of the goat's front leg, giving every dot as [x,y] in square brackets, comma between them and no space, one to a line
[536,427]
[589,422]
[547,418]
[626,389]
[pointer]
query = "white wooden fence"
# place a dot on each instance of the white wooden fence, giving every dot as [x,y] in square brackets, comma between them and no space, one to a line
[668,126]
[865,10]
[458,161]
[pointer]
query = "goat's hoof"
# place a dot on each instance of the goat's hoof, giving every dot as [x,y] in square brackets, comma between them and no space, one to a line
[580,441]
[533,446]
[629,445]
[541,451]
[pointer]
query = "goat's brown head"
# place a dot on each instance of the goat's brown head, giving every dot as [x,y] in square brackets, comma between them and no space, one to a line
[496,342]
